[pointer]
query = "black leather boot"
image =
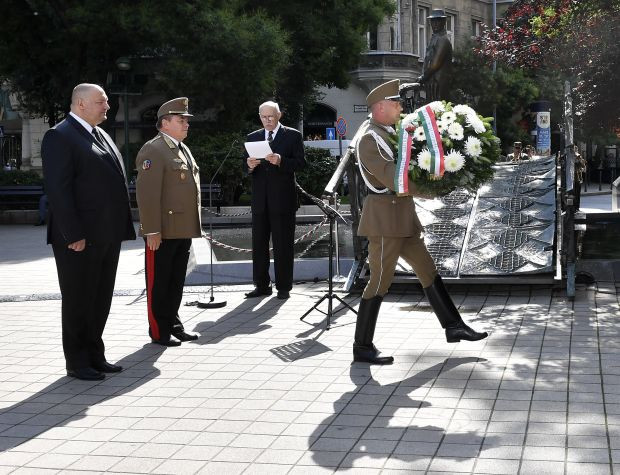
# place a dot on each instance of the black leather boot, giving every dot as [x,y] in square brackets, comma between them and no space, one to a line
[448,315]
[363,349]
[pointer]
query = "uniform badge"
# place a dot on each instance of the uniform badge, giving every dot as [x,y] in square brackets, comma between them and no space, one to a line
[146,164]
[182,176]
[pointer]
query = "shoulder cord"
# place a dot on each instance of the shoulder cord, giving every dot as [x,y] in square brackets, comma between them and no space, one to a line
[381,144]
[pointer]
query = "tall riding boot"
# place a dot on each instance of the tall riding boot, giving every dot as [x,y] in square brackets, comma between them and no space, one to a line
[448,315]
[363,348]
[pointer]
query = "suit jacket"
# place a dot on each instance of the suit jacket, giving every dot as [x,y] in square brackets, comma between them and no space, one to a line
[168,193]
[273,187]
[384,214]
[85,185]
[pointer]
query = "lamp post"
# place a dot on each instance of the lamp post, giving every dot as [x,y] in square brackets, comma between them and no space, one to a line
[494,66]
[124,64]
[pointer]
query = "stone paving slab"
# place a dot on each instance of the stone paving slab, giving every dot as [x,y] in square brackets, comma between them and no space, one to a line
[261,392]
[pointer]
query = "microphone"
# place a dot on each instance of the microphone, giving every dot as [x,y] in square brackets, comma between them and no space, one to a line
[211,303]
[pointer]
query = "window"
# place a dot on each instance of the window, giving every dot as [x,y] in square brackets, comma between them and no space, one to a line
[450,26]
[422,31]
[395,32]
[476,28]
[371,39]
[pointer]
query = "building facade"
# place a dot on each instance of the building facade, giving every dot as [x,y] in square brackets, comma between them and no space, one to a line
[396,50]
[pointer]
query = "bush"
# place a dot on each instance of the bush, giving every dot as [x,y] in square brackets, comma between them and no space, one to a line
[20,177]
[320,166]
[209,150]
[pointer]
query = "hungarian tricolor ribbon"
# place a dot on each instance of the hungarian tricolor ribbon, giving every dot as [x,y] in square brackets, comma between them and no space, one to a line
[401,179]
[433,140]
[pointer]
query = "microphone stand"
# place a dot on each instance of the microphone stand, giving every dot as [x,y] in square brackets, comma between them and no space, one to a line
[332,214]
[211,303]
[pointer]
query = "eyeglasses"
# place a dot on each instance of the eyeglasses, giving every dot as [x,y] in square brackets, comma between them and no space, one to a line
[267,117]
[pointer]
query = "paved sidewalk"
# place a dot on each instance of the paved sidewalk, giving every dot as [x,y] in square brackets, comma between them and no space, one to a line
[264,393]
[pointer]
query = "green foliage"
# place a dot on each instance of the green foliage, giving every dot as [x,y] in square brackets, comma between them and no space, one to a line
[320,166]
[20,177]
[227,57]
[209,151]
[510,89]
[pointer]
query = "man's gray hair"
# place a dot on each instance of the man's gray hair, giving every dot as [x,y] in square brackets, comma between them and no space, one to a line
[271,104]
[82,90]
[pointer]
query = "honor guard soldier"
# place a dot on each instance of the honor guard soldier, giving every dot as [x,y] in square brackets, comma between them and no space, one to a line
[168,195]
[393,229]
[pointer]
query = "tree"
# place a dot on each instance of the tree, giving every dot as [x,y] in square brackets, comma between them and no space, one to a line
[578,39]
[201,49]
[227,56]
[510,90]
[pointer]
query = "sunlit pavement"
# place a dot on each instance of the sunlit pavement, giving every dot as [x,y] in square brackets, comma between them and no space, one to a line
[263,392]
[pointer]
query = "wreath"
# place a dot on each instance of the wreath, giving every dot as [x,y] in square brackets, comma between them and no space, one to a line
[443,147]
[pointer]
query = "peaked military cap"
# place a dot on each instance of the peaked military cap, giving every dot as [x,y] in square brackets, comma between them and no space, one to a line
[178,106]
[387,90]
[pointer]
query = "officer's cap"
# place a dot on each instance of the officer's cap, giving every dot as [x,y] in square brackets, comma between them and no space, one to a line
[388,90]
[178,106]
[437,13]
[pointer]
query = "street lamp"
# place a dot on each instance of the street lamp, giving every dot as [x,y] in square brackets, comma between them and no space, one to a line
[124,64]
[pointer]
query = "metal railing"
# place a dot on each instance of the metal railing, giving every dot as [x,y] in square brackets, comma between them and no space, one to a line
[11,152]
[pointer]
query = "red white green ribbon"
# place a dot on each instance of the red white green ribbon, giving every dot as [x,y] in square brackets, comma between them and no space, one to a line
[401,177]
[433,140]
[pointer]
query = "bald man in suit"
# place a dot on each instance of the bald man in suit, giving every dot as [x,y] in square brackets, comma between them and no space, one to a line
[89,216]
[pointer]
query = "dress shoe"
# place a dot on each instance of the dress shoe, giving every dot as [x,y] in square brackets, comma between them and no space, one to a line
[283,294]
[87,374]
[106,367]
[257,292]
[182,335]
[169,342]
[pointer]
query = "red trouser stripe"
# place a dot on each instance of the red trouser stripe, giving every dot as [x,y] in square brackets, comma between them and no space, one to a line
[150,277]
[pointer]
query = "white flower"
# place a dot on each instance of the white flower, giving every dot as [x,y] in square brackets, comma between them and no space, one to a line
[441,126]
[455,130]
[475,123]
[473,147]
[463,109]
[409,119]
[419,134]
[437,106]
[424,159]
[448,117]
[454,161]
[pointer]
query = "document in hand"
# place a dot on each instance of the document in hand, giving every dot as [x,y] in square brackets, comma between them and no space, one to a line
[258,149]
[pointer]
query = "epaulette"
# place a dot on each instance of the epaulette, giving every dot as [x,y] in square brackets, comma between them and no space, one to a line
[169,142]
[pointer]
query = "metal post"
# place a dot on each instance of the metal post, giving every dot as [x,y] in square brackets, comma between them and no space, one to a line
[336,243]
[494,66]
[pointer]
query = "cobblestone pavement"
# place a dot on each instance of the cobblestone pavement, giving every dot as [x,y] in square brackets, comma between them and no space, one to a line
[261,392]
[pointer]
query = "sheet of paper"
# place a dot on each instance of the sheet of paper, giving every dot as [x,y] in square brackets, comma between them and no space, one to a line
[258,149]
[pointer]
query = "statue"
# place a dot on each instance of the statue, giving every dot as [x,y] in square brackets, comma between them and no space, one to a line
[438,60]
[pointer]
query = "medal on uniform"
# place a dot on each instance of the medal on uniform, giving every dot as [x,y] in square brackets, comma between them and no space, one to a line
[182,176]
[146,164]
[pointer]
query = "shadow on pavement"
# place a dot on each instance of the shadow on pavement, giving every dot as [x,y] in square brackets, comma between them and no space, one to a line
[336,438]
[67,400]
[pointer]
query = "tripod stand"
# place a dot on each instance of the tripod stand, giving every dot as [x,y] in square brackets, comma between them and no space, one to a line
[332,215]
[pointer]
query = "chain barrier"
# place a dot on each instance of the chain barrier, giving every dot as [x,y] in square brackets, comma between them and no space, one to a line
[239,249]
[215,213]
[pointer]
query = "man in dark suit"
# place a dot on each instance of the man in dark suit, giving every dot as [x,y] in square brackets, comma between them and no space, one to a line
[89,216]
[274,201]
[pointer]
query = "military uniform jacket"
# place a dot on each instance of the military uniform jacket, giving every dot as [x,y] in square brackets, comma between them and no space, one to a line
[384,214]
[168,193]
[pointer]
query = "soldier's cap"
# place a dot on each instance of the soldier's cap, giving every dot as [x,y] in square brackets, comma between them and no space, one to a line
[437,13]
[178,106]
[385,91]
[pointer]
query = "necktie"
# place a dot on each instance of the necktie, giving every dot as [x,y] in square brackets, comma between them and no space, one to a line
[188,159]
[270,138]
[104,143]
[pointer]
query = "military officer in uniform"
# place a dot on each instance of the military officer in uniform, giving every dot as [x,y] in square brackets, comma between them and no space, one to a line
[168,195]
[393,229]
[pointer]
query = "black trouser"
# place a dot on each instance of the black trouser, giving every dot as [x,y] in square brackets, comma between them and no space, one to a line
[281,227]
[165,275]
[86,281]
